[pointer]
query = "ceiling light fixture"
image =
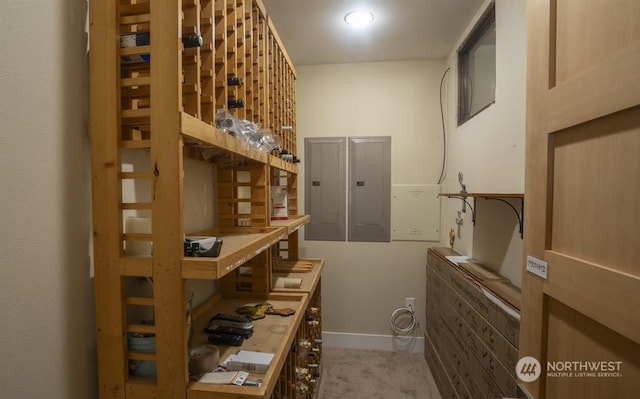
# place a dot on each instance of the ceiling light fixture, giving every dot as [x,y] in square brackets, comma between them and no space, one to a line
[359,18]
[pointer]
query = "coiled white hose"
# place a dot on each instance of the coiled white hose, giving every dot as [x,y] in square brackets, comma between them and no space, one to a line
[403,320]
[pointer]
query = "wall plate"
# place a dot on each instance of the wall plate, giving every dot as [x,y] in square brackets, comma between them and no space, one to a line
[415,212]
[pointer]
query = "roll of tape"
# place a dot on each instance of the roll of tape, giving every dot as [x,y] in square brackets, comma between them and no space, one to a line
[203,359]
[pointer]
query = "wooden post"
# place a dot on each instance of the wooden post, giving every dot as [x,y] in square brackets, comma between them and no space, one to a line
[167,199]
[105,165]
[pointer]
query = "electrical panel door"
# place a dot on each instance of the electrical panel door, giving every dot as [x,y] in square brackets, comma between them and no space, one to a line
[325,188]
[370,188]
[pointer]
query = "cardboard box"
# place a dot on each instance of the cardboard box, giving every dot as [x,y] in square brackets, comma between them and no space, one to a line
[438,265]
[490,336]
[506,291]
[506,325]
[257,362]
[488,358]
[468,364]
[470,291]
[459,369]
[480,272]
[474,337]
[437,370]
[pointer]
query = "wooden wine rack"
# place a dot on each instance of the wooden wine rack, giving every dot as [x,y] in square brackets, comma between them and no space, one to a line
[152,105]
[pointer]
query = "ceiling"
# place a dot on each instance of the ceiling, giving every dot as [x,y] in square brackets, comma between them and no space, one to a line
[314,31]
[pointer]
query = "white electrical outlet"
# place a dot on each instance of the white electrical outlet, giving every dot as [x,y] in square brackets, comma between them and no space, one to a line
[410,303]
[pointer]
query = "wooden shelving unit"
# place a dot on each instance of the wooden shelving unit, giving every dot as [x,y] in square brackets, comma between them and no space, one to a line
[306,357]
[156,102]
[273,334]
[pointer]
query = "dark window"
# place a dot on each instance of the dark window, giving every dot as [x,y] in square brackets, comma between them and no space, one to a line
[477,67]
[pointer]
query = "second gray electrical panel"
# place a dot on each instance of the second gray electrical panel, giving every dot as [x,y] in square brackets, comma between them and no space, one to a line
[370,188]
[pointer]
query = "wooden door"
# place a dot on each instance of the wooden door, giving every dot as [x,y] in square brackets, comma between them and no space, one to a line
[582,322]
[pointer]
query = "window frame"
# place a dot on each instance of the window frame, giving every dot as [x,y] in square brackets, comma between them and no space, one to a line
[481,27]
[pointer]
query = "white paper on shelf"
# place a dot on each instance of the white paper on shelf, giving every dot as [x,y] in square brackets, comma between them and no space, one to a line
[224,377]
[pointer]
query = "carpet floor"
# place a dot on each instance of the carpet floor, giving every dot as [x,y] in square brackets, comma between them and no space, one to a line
[368,374]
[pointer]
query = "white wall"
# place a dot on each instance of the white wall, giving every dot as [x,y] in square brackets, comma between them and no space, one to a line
[47,338]
[364,282]
[489,149]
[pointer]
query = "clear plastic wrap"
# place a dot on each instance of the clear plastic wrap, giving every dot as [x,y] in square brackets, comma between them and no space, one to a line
[262,140]
[250,133]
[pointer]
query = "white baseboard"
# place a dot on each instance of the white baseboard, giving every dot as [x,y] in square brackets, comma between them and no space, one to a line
[389,343]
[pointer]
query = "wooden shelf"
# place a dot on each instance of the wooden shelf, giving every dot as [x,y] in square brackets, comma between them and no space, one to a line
[279,163]
[205,136]
[482,195]
[502,197]
[310,279]
[273,334]
[292,224]
[239,246]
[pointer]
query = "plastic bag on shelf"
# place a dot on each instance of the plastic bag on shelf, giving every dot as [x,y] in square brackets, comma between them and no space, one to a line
[263,140]
[226,122]
[250,133]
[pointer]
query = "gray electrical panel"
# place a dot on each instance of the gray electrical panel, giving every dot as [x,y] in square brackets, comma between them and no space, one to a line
[370,188]
[325,188]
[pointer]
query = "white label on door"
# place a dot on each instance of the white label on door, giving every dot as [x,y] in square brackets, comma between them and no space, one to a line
[537,266]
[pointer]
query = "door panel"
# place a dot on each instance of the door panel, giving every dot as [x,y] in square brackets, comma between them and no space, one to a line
[582,187]
[574,336]
[596,170]
[589,31]
[589,50]
[597,291]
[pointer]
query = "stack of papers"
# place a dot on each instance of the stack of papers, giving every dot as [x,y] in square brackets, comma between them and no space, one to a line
[225,377]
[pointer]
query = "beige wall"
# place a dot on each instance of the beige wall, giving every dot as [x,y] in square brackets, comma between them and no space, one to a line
[364,282]
[489,150]
[47,338]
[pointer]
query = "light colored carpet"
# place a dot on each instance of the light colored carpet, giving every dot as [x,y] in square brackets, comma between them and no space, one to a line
[367,374]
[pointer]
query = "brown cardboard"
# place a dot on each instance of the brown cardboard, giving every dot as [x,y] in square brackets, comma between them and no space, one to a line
[469,353]
[487,361]
[506,291]
[480,272]
[438,371]
[470,290]
[453,360]
[438,265]
[475,338]
[508,326]
[490,336]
